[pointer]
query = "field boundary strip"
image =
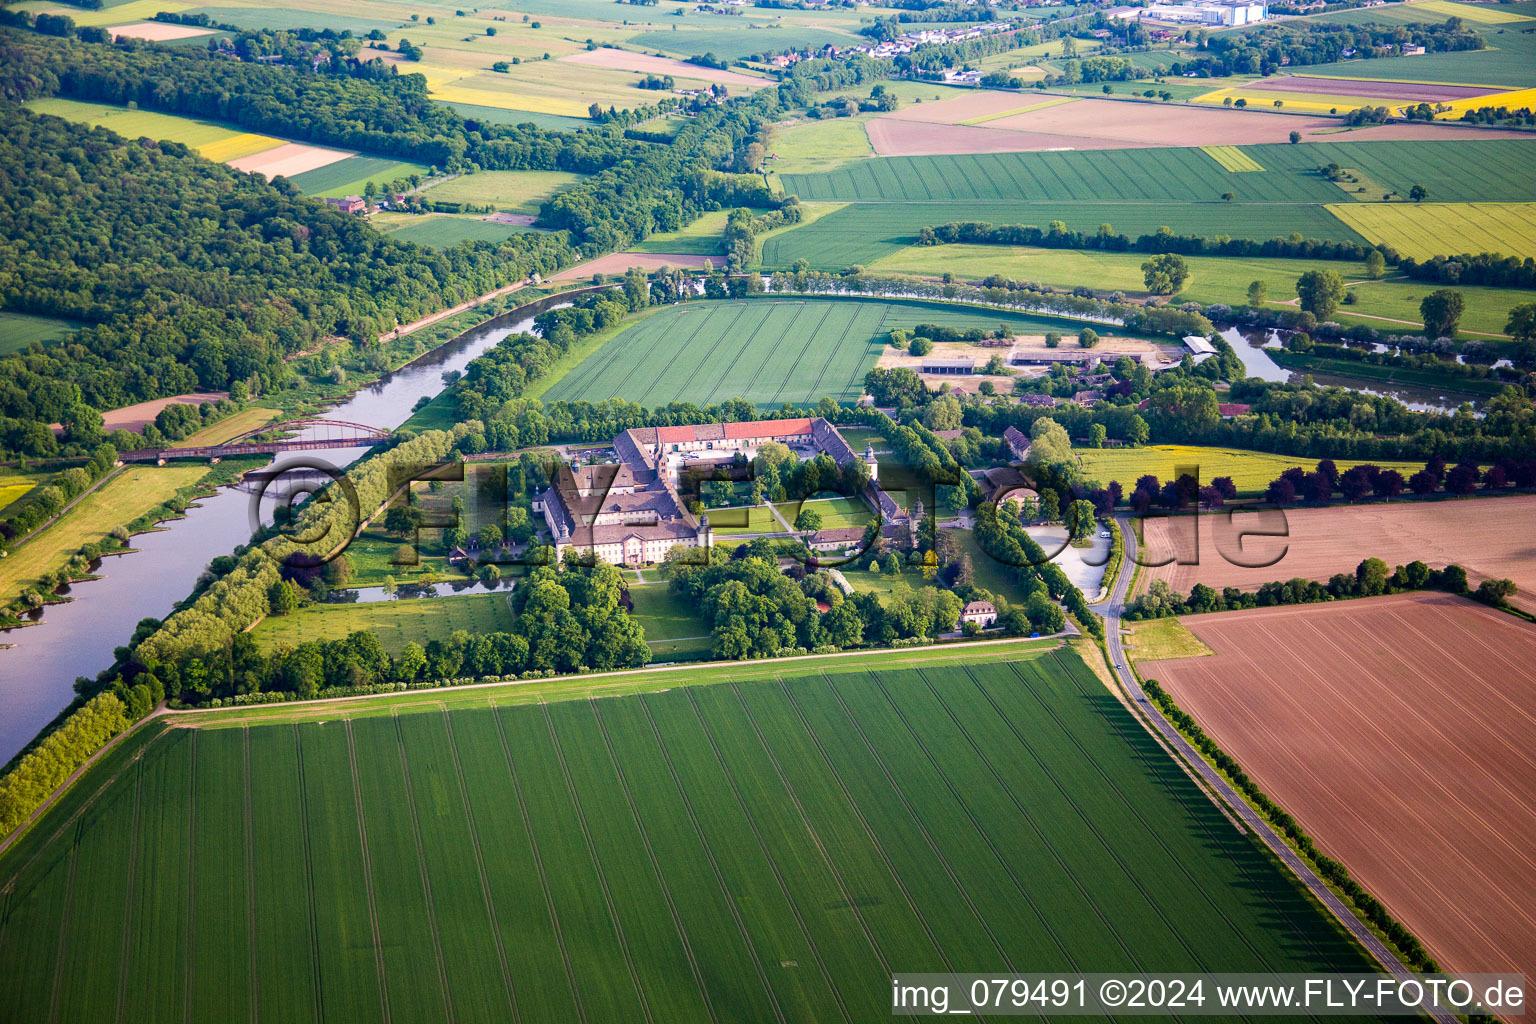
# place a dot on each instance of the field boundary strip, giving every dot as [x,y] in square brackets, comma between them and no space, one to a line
[1054,101]
[1233,159]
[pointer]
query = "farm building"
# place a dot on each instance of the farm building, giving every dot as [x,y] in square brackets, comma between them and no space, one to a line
[1051,356]
[1198,345]
[1039,401]
[948,366]
[1230,409]
[351,204]
[842,538]
[983,613]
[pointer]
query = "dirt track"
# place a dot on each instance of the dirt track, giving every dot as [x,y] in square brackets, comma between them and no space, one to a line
[1397,731]
[1489,537]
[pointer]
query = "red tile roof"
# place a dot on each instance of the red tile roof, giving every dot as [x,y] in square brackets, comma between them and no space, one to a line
[1232,408]
[767,428]
[674,435]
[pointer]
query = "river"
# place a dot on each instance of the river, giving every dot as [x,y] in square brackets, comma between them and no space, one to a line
[78,638]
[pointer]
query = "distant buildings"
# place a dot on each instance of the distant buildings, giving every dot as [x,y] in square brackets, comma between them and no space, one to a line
[1226,13]
[351,204]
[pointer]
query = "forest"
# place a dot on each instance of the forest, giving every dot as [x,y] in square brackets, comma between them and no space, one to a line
[1301,43]
[231,275]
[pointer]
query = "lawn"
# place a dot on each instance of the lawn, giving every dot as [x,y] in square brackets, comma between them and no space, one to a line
[673,630]
[991,574]
[1250,471]
[444,231]
[766,350]
[706,852]
[18,330]
[836,513]
[131,493]
[290,17]
[1156,639]
[509,191]
[396,623]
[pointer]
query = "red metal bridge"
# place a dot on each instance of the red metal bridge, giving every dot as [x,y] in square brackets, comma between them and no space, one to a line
[316,434]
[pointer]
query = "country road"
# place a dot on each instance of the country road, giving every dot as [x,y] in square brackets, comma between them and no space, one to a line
[1111,610]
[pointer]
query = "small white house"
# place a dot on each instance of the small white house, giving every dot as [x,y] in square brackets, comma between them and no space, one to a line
[983,613]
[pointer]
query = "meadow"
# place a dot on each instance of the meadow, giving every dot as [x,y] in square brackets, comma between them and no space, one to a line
[135,124]
[813,146]
[18,330]
[1378,303]
[703,237]
[396,623]
[444,231]
[502,115]
[120,500]
[766,350]
[730,852]
[1250,471]
[1507,60]
[735,44]
[507,191]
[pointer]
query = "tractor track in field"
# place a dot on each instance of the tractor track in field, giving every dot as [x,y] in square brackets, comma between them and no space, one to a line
[714,865]
[1087,819]
[597,867]
[1129,804]
[485,881]
[366,860]
[928,840]
[869,832]
[1083,891]
[768,858]
[189,955]
[132,874]
[538,864]
[317,992]
[800,356]
[426,879]
[650,853]
[965,808]
[249,829]
[805,820]
[63,947]
[706,358]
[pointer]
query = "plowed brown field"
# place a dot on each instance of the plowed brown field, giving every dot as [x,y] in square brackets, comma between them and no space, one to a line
[1397,731]
[1489,537]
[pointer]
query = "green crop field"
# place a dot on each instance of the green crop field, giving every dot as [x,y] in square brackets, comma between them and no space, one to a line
[766,350]
[445,231]
[500,115]
[136,124]
[735,851]
[1507,60]
[292,16]
[510,191]
[734,43]
[347,177]
[1182,175]
[396,623]
[18,330]
[1250,471]
[863,233]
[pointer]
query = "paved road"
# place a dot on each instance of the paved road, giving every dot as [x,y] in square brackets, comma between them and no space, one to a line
[1234,800]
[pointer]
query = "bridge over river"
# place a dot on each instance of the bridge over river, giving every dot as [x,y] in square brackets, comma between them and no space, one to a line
[311,435]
